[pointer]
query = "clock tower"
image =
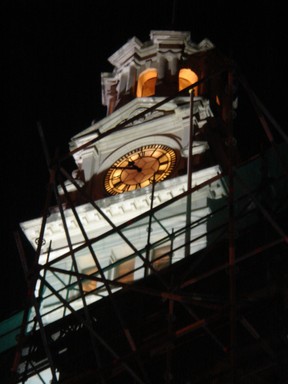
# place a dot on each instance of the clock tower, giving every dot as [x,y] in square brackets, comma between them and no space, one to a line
[137,201]
[145,135]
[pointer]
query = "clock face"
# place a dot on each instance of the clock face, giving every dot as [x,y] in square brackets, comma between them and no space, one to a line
[139,168]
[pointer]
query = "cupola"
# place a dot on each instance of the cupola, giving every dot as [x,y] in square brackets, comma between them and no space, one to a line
[162,66]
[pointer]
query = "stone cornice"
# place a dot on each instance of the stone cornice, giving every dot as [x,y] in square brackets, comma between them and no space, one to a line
[119,209]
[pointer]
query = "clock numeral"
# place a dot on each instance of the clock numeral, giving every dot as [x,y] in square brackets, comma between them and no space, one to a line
[126,188]
[118,184]
[141,154]
[164,163]
[154,151]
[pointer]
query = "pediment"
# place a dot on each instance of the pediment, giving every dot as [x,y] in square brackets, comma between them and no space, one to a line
[126,116]
[141,119]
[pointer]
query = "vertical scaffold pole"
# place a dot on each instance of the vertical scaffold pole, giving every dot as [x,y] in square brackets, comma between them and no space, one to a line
[189,177]
[231,229]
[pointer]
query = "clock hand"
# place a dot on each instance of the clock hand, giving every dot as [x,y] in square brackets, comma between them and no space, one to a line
[130,165]
[134,166]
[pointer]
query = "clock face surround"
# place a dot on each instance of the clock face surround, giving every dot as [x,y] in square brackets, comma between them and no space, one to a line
[139,168]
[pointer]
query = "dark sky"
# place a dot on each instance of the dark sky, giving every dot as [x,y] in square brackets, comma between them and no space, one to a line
[52,56]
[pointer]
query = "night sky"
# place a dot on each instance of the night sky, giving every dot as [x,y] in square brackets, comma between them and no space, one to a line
[52,57]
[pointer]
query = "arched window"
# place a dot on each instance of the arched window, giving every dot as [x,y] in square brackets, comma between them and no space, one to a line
[186,78]
[147,83]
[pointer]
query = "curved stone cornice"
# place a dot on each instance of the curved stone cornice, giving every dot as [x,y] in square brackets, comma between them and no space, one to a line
[174,41]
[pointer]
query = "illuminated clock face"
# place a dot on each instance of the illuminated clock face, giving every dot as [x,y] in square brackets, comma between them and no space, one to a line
[139,168]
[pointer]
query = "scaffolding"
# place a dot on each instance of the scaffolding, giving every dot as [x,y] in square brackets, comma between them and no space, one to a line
[200,300]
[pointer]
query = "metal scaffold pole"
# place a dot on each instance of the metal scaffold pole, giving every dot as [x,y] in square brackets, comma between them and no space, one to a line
[231,230]
[189,176]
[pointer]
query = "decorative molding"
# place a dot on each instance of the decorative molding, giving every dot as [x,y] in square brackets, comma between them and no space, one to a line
[171,120]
